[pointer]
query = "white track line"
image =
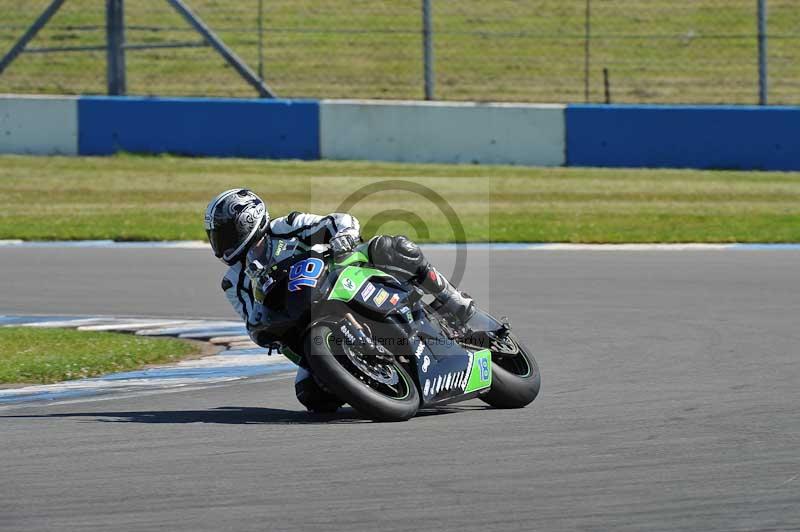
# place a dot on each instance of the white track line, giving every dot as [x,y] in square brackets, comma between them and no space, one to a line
[136,325]
[72,323]
[219,340]
[181,244]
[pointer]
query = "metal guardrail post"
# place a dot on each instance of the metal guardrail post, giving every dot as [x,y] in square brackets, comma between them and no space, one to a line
[763,71]
[232,59]
[23,41]
[427,49]
[261,39]
[115,39]
[587,52]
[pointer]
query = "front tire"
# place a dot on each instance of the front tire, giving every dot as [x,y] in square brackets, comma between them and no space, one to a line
[515,378]
[328,362]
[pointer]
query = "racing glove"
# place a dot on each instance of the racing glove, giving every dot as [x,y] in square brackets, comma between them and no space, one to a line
[342,244]
[260,280]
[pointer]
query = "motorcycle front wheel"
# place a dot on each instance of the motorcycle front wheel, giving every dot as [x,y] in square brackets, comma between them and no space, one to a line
[515,375]
[377,387]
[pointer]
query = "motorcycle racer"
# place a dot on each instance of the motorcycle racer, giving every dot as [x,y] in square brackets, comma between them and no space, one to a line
[242,236]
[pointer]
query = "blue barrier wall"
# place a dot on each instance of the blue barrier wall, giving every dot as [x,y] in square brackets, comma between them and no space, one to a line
[760,138]
[711,137]
[275,129]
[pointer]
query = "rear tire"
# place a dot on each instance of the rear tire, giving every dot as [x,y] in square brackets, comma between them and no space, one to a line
[365,399]
[515,381]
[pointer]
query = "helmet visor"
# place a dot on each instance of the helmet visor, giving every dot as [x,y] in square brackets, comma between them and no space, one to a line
[223,239]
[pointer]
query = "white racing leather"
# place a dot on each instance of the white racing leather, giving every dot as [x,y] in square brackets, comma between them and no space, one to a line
[310,229]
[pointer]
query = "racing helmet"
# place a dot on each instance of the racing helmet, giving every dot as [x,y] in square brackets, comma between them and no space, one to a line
[234,221]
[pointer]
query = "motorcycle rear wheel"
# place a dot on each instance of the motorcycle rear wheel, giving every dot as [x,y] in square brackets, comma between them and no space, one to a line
[515,378]
[330,363]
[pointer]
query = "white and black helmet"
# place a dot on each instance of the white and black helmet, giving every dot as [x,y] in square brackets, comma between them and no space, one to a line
[235,220]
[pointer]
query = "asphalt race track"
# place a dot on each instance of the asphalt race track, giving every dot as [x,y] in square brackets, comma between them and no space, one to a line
[670,401]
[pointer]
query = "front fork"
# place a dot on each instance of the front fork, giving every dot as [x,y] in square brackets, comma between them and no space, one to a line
[356,336]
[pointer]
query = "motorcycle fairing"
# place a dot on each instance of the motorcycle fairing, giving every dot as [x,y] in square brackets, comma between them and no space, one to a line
[351,280]
[447,373]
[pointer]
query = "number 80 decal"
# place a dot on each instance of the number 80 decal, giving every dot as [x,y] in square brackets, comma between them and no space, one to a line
[305,273]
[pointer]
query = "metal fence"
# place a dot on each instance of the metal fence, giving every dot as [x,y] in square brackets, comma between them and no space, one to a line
[650,51]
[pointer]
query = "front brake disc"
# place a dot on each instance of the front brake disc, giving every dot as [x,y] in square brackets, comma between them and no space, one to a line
[378,368]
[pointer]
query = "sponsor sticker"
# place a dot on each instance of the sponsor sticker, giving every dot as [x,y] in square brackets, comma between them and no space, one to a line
[380,299]
[348,335]
[349,284]
[367,291]
[420,349]
[394,299]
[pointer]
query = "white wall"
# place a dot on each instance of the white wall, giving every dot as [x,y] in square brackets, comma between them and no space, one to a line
[38,125]
[443,132]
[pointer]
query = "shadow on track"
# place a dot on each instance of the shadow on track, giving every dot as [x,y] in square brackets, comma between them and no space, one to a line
[233,415]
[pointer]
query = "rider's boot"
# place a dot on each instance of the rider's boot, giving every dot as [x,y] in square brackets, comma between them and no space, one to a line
[456,303]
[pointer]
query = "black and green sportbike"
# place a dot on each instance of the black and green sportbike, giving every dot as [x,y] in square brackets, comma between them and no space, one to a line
[373,341]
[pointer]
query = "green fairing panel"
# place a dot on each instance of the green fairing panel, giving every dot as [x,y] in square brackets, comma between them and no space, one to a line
[351,280]
[480,375]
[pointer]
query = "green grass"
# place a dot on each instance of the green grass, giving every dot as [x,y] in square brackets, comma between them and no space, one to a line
[41,356]
[703,51]
[163,198]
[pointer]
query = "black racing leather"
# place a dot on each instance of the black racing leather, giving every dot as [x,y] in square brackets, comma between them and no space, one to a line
[398,253]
